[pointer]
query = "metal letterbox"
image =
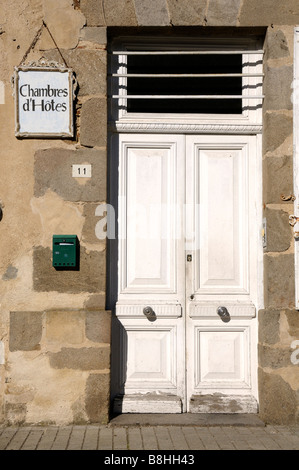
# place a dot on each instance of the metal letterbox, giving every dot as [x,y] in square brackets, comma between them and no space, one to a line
[65,251]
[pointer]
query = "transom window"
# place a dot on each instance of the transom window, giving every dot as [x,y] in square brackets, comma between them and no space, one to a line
[184,75]
[187,82]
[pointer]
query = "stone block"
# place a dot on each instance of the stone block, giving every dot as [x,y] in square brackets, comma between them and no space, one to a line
[278,87]
[95,301]
[152,12]
[90,228]
[98,326]
[269,326]
[278,402]
[97,397]
[279,280]
[53,170]
[274,357]
[93,123]
[119,12]
[276,45]
[81,358]
[268,12]
[223,13]
[65,327]
[93,12]
[278,177]
[95,35]
[277,127]
[25,331]
[15,413]
[89,278]
[90,67]
[293,322]
[279,231]
[187,12]
[63,21]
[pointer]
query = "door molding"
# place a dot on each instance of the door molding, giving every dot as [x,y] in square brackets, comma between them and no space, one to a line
[184,128]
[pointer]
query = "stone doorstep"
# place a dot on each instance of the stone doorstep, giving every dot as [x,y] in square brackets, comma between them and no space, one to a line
[187,419]
[148,403]
[201,405]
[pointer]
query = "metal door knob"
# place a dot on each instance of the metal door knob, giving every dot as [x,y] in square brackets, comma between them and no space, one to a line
[148,311]
[222,312]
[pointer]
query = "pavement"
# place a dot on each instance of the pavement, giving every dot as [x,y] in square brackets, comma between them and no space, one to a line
[180,436]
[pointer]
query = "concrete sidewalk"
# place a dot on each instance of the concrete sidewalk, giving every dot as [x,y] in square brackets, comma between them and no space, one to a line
[188,432]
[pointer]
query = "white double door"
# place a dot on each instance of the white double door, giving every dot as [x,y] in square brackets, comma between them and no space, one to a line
[188,272]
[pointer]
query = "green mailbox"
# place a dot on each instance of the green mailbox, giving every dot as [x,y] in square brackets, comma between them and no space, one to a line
[65,251]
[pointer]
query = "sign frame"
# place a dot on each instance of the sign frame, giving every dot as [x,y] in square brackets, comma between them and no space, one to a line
[63,75]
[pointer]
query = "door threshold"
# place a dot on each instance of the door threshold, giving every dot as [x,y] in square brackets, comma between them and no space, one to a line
[186,419]
[147,403]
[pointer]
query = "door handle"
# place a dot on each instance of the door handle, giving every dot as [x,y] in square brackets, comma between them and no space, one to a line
[148,312]
[223,312]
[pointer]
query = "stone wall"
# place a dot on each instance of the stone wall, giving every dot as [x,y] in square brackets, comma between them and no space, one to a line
[279,321]
[65,367]
[189,12]
[54,329]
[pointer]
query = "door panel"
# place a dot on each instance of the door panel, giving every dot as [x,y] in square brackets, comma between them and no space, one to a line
[222,356]
[222,221]
[218,195]
[151,271]
[150,222]
[151,357]
[149,194]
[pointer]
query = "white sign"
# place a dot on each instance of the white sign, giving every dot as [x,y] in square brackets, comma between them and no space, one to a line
[44,102]
[81,171]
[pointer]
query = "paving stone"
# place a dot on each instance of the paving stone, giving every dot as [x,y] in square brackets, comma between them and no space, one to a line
[135,439]
[178,438]
[47,439]
[149,438]
[18,439]
[270,443]
[223,438]
[255,444]
[76,438]
[120,439]
[62,438]
[91,438]
[33,439]
[207,439]
[163,438]
[192,438]
[242,444]
[106,438]
[6,437]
